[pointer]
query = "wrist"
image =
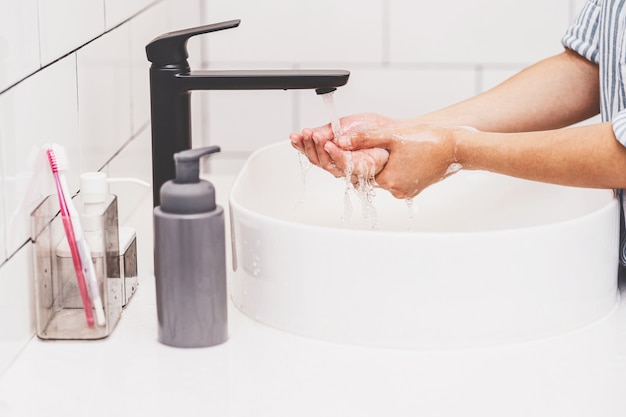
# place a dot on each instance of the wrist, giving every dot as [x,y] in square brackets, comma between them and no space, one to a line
[464,137]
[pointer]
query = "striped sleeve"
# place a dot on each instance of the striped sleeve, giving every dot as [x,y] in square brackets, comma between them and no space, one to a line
[619,126]
[583,36]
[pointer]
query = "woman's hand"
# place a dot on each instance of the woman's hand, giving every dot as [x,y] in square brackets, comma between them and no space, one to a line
[419,155]
[319,146]
[403,156]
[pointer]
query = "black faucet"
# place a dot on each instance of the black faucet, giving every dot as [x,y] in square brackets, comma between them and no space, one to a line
[171,83]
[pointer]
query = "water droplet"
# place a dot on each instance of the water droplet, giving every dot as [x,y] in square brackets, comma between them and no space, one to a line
[412,211]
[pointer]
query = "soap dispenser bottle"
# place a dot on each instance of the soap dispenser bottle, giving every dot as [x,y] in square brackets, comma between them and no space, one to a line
[190,258]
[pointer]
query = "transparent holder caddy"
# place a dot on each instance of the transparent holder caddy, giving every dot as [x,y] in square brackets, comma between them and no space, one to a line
[58,304]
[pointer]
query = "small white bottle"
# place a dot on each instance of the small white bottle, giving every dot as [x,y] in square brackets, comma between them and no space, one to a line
[95,195]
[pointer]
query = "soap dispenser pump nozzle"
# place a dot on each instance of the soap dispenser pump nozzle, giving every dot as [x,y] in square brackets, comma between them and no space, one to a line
[188,163]
[187,193]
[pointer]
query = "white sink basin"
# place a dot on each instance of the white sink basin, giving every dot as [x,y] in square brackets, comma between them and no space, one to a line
[488,259]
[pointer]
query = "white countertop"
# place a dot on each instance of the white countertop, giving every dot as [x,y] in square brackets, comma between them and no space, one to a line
[261,371]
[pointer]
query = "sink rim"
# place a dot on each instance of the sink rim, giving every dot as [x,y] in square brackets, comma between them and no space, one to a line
[610,204]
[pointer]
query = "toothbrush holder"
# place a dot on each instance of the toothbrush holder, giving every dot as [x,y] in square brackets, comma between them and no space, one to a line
[59,311]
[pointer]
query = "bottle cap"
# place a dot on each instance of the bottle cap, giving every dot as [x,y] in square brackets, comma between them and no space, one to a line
[94,187]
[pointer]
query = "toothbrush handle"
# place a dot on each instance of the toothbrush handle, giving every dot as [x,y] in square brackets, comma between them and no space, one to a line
[71,240]
[92,280]
[80,276]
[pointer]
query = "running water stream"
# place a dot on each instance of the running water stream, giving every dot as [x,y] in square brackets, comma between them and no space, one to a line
[363,185]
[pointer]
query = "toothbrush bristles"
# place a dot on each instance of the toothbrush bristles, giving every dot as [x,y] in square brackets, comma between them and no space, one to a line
[60,157]
[53,160]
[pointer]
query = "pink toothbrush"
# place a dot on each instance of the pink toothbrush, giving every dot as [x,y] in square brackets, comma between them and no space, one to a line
[71,240]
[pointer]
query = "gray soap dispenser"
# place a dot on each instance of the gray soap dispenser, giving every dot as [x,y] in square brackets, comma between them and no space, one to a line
[190,258]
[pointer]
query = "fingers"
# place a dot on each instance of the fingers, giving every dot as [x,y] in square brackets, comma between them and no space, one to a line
[364,139]
[303,142]
[321,148]
[335,159]
[297,141]
[323,132]
[399,187]
[380,157]
[311,142]
[365,163]
[335,153]
[323,158]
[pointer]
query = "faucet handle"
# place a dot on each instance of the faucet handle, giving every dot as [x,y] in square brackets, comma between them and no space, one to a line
[171,48]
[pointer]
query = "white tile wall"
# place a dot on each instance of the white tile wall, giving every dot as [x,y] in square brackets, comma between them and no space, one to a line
[19,41]
[118,11]
[75,72]
[133,161]
[104,97]
[297,31]
[41,109]
[3,204]
[479,31]
[241,121]
[16,305]
[65,25]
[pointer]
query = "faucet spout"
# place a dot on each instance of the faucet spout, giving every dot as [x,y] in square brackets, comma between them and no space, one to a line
[172,81]
[264,79]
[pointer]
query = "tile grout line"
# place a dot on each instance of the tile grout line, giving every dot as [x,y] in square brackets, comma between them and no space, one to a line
[5,206]
[63,56]
[386,33]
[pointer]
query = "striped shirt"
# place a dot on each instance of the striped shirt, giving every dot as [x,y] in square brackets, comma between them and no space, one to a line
[598,35]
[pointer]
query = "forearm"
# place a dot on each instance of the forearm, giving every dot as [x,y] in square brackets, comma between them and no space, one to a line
[587,156]
[553,93]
